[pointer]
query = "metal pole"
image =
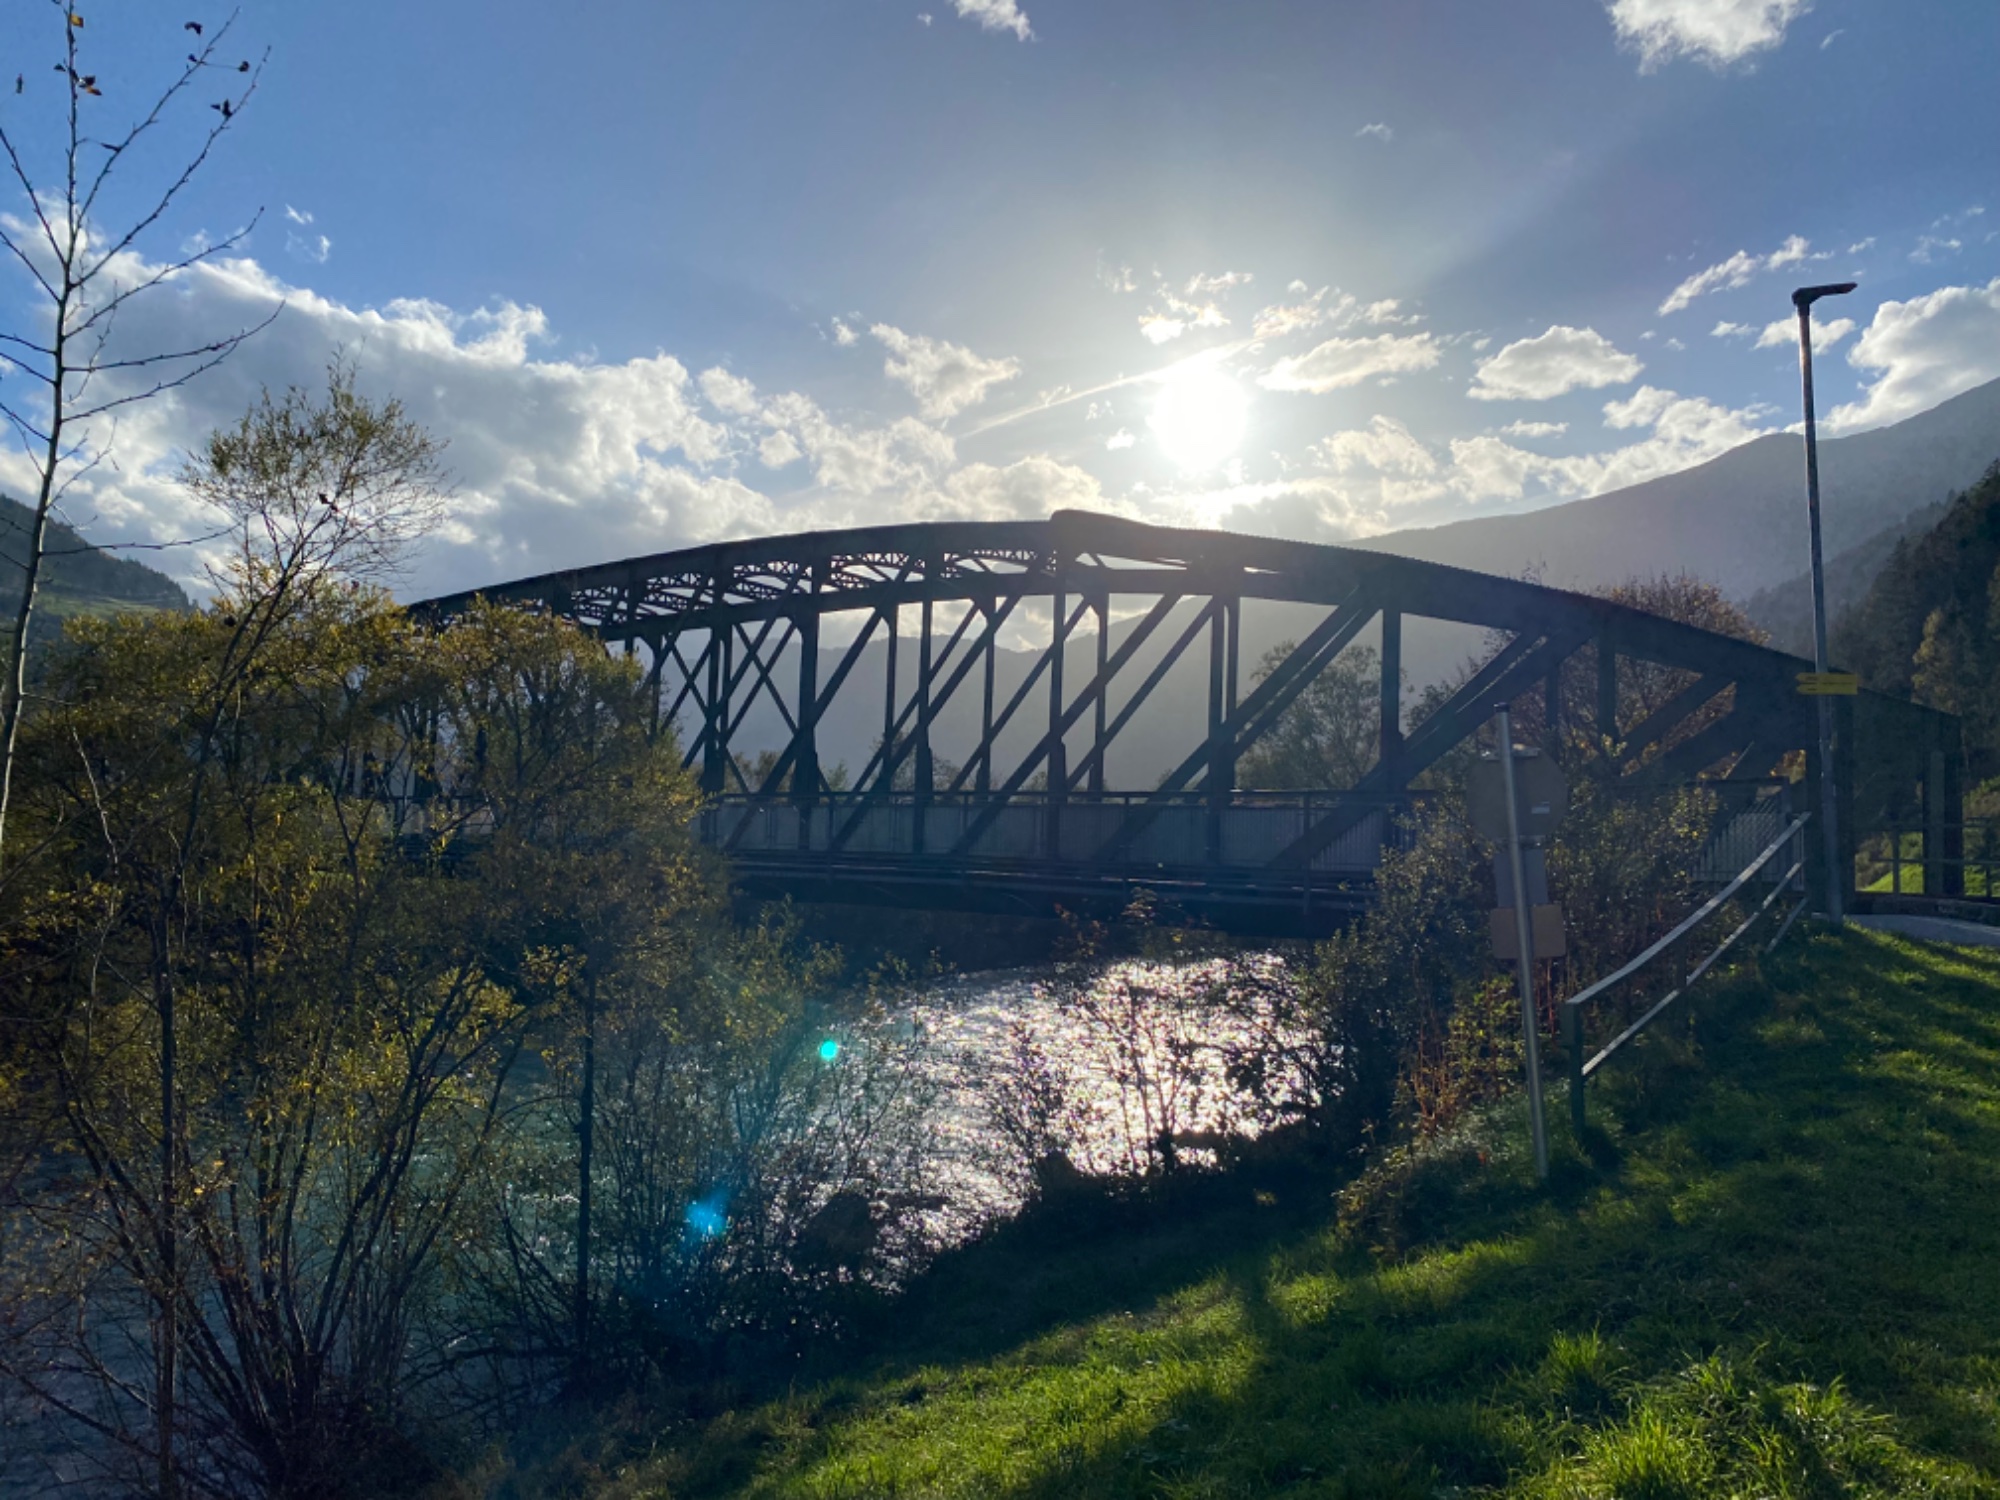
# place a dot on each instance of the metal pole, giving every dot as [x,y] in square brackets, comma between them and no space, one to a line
[1524,935]
[1836,884]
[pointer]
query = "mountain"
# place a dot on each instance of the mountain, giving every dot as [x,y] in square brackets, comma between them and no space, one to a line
[1786,611]
[77,578]
[1738,521]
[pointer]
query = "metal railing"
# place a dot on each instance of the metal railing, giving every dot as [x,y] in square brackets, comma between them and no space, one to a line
[1792,879]
[1915,856]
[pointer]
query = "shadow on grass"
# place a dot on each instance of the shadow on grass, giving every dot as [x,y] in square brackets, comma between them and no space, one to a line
[1766,1271]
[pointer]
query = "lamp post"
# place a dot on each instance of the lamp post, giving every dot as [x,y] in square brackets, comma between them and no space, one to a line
[1803,299]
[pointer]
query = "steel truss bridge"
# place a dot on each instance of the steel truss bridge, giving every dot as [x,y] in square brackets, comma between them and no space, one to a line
[721,628]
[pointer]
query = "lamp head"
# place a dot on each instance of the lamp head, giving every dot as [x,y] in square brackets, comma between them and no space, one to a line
[1806,296]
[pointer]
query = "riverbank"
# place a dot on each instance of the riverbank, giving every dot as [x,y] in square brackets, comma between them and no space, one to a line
[1770,1273]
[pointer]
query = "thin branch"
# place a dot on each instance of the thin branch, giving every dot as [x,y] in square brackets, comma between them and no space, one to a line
[220,351]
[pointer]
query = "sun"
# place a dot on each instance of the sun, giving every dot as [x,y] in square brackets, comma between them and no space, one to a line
[1199,416]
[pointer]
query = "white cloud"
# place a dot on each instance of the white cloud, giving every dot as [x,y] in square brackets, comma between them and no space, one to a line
[843,335]
[778,450]
[1028,489]
[1157,329]
[1120,440]
[729,393]
[1535,429]
[1831,37]
[945,378]
[1384,445]
[1381,132]
[1686,430]
[1715,32]
[1734,272]
[1727,330]
[313,247]
[1783,333]
[1283,318]
[1932,247]
[1928,350]
[924,18]
[995,15]
[1202,286]
[1343,362]
[1860,245]
[1550,364]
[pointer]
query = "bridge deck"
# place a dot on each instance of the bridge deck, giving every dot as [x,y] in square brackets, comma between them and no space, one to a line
[1030,855]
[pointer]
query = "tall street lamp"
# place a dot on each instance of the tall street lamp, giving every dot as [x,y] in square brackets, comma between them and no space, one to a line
[1803,299]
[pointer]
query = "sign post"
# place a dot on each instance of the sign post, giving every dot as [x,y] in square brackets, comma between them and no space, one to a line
[1532,794]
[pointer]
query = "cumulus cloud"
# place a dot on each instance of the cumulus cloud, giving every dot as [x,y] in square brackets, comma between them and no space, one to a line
[1715,32]
[995,15]
[729,393]
[558,462]
[1371,473]
[1550,364]
[1119,440]
[844,335]
[1384,445]
[1927,350]
[1344,361]
[1783,333]
[1379,131]
[1728,330]
[1734,272]
[1535,429]
[778,450]
[945,378]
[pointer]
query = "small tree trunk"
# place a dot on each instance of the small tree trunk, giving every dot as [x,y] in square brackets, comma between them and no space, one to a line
[14,693]
[585,1142]
[169,1229]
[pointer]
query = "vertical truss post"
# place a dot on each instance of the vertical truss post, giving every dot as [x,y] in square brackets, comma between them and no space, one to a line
[984,784]
[923,772]
[1220,777]
[1390,712]
[1058,766]
[1552,687]
[714,707]
[886,778]
[1951,814]
[1844,788]
[1606,725]
[1102,606]
[655,687]
[806,781]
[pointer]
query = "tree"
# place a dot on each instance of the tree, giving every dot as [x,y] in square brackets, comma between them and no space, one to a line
[1331,733]
[81,248]
[155,788]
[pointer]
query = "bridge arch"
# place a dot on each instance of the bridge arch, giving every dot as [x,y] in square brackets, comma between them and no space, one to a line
[1023,820]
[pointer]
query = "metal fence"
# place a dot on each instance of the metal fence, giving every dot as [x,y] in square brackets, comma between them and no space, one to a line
[1781,864]
[1921,858]
[1250,832]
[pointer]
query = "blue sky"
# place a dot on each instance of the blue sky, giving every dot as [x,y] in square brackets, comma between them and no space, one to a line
[666,272]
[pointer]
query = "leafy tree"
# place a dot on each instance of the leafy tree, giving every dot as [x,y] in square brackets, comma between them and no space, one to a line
[1930,625]
[1331,733]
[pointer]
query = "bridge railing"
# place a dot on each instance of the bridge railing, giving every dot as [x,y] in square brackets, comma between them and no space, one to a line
[1251,831]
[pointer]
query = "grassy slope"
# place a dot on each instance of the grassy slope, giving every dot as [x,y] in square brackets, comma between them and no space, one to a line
[1774,1274]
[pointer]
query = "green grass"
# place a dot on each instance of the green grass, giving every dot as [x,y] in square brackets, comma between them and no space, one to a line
[1775,1272]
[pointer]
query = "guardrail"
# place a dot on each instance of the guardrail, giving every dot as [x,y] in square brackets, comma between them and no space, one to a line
[1958,860]
[1581,1068]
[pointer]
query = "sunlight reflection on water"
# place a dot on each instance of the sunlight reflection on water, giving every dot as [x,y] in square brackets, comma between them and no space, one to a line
[969,1024]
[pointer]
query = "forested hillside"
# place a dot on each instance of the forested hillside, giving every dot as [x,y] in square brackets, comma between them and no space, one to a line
[77,578]
[1930,626]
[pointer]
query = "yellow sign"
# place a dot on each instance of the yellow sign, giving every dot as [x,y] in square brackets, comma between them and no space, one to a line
[1829,684]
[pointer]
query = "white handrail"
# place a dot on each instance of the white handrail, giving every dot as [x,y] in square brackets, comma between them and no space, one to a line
[1703,914]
